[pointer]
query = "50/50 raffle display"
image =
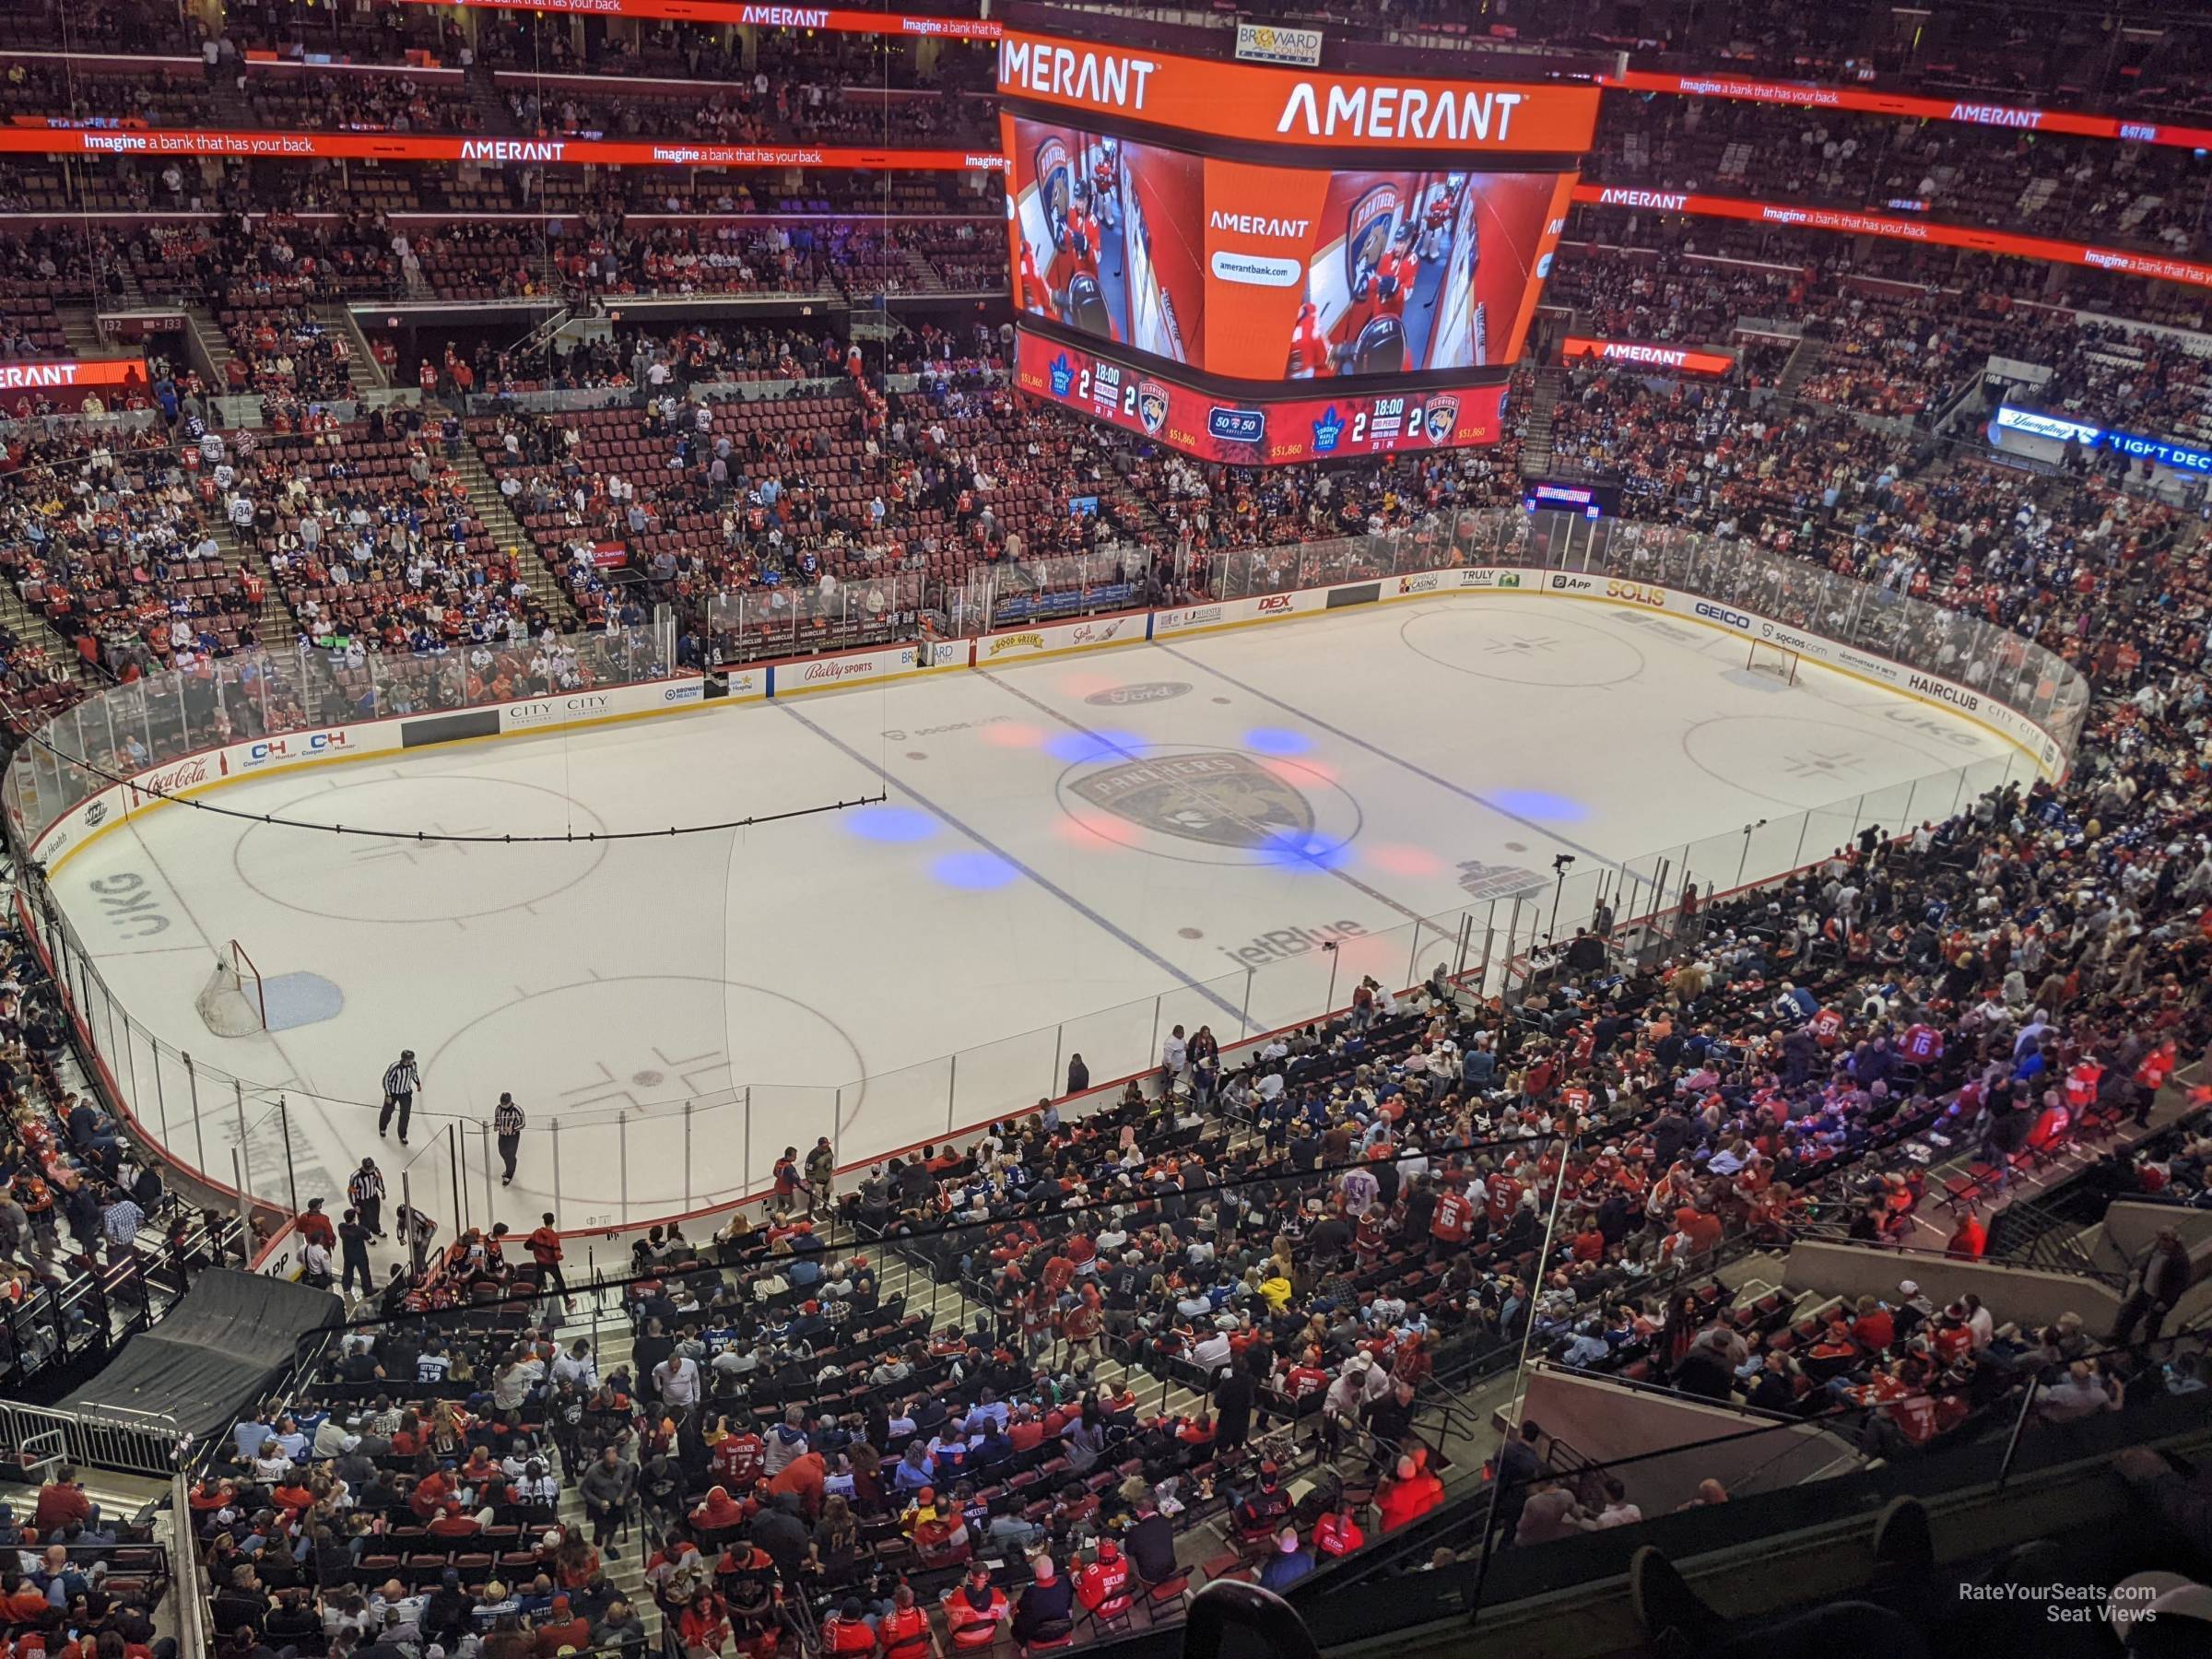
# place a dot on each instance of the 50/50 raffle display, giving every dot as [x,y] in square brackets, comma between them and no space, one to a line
[1359,275]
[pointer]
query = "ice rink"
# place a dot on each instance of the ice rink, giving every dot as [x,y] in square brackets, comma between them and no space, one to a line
[1076,855]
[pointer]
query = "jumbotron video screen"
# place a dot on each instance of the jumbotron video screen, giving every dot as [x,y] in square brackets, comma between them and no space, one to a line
[1316,304]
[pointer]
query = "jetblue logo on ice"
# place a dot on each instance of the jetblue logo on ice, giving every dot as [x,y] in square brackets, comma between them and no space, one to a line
[1236,426]
[1064,375]
[1327,430]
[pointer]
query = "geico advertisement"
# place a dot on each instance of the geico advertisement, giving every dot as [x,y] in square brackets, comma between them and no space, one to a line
[1263,273]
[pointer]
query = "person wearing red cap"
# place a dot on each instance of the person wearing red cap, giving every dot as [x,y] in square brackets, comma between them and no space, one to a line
[562,1627]
[974,1611]
[1103,1588]
[717,1514]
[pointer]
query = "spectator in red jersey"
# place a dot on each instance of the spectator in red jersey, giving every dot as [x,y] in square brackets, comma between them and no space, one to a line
[1338,1533]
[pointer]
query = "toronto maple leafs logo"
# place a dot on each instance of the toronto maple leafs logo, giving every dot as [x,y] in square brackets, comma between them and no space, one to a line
[1063,376]
[1327,430]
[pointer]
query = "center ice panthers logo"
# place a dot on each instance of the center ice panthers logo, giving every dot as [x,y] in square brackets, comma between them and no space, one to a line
[1222,799]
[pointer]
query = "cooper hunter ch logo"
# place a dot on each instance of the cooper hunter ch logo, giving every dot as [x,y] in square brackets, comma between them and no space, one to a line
[1223,800]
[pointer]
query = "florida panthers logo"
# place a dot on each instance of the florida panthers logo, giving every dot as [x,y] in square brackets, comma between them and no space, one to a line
[1441,420]
[1152,405]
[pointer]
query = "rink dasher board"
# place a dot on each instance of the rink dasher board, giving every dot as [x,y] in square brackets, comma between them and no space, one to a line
[208,770]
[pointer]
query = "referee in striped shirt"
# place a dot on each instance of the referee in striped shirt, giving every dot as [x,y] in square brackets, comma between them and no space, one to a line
[507,1124]
[401,1080]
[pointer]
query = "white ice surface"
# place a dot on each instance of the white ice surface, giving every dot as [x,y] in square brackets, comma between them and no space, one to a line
[607,985]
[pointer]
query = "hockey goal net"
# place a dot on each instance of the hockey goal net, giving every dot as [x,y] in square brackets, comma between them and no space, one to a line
[231,1002]
[1769,658]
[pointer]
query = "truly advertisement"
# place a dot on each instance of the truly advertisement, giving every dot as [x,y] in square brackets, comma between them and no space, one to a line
[1261,429]
[2051,250]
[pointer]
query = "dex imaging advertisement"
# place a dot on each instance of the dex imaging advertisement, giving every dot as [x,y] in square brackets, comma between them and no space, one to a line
[1254,272]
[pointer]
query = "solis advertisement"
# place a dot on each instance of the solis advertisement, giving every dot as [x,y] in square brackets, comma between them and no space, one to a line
[1258,272]
[1265,429]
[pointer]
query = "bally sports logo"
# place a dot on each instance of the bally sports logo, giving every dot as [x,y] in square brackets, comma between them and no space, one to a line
[841,668]
[1021,641]
[1636,593]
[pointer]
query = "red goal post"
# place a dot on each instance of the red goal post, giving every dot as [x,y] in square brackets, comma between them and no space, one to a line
[232,1001]
[1769,658]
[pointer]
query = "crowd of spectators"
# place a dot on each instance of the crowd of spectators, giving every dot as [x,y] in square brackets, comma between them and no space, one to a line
[109,539]
[2093,190]
[79,1202]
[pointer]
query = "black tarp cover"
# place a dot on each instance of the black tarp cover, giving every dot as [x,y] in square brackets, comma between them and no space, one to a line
[214,1354]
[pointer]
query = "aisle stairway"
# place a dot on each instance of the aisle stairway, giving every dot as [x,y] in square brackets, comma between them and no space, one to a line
[277,627]
[1803,359]
[1536,432]
[507,531]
